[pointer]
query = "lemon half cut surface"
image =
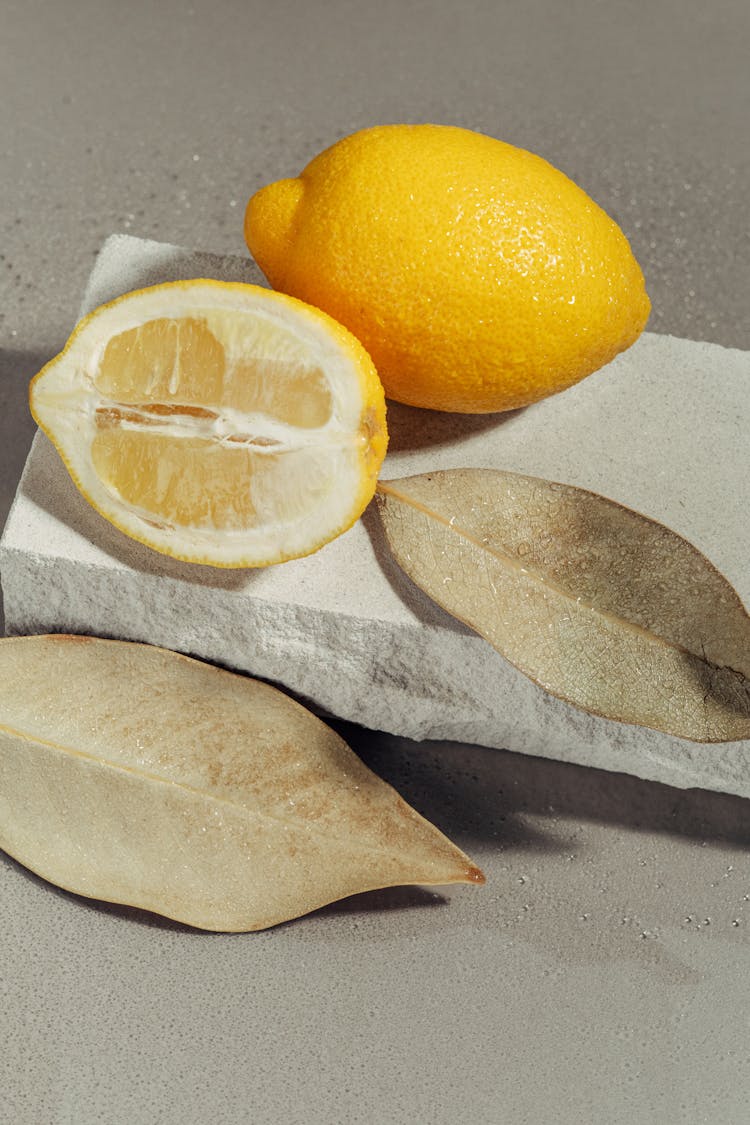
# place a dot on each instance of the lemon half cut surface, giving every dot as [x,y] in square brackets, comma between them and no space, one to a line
[217,422]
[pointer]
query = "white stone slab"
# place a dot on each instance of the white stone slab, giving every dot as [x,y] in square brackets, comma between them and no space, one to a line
[663,429]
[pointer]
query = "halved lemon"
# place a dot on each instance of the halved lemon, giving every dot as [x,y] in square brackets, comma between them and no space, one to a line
[217,422]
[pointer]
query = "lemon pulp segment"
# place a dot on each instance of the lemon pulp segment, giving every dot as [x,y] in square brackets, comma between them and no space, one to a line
[201,360]
[174,436]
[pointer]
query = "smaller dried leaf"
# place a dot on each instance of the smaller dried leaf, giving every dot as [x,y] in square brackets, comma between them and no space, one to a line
[601,606]
[135,775]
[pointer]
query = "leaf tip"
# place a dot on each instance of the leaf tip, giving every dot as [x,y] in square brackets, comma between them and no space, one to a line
[475,875]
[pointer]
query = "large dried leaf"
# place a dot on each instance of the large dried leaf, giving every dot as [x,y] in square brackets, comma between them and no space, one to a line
[131,774]
[599,605]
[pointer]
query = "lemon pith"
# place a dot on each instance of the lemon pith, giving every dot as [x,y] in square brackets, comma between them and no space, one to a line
[478,277]
[216,422]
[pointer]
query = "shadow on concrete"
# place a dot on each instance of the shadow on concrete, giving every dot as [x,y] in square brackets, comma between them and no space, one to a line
[16,371]
[475,793]
[411,428]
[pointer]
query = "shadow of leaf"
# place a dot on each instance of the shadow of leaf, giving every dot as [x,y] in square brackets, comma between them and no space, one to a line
[385,899]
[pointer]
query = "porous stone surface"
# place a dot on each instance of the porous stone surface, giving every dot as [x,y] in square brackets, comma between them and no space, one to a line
[662,429]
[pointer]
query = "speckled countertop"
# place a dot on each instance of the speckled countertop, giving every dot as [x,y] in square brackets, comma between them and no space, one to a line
[602,975]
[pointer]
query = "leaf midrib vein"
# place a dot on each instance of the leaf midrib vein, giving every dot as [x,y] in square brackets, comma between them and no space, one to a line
[144,775]
[386,488]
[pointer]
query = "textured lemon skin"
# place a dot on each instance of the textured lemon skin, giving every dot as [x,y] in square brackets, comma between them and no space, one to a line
[373,416]
[478,277]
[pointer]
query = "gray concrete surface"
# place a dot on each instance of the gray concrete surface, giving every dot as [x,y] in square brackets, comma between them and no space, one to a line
[602,973]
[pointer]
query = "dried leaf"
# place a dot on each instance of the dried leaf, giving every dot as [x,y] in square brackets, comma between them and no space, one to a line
[131,774]
[599,605]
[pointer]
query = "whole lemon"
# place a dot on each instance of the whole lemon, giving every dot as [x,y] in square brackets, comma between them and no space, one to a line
[477,276]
